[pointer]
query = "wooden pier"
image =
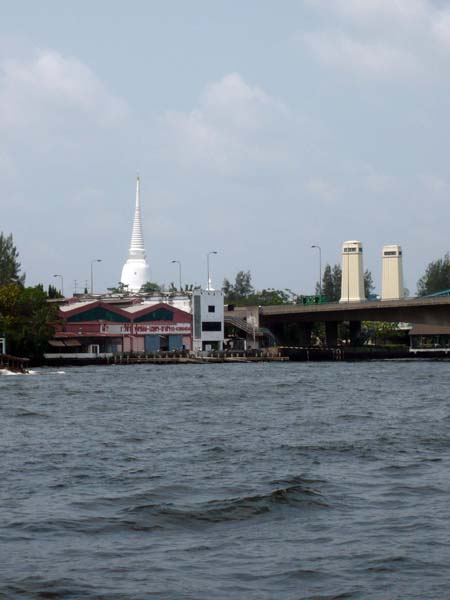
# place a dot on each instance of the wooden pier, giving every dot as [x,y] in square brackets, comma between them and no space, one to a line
[170,358]
[13,363]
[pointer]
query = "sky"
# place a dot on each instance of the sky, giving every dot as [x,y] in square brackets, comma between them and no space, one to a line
[258,129]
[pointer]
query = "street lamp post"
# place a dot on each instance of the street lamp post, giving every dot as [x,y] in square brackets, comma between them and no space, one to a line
[62,283]
[207,267]
[94,260]
[179,271]
[320,267]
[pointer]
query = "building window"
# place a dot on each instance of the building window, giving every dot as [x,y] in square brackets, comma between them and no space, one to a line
[211,326]
[390,253]
[211,308]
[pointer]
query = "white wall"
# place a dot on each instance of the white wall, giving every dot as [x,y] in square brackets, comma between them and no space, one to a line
[392,287]
[206,299]
[352,285]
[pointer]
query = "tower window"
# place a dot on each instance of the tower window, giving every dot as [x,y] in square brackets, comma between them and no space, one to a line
[211,326]
[211,308]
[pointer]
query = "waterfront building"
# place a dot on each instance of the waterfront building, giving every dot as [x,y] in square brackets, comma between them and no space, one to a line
[352,283]
[135,272]
[208,320]
[243,331]
[392,273]
[426,338]
[95,328]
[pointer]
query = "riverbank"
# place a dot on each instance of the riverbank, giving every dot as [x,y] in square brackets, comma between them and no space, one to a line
[164,358]
[362,353]
[279,354]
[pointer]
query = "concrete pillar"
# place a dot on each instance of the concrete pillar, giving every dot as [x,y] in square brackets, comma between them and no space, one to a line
[278,331]
[331,333]
[305,330]
[352,282]
[355,331]
[392,279]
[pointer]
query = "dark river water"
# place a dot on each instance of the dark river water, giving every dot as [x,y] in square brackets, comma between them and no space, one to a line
[245,481]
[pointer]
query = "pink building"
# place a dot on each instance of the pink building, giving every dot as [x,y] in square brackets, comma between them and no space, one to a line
[98,328]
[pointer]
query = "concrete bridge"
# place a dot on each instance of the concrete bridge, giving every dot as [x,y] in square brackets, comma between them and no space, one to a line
[432,311]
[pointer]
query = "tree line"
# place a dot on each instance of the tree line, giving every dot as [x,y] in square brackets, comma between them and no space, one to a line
[27,320]
[435,279]
[243,293]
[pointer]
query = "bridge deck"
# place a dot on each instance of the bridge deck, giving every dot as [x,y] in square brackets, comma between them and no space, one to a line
[411,310]
[281,309]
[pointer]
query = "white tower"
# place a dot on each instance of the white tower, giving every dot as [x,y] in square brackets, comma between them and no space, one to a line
[392,279]
[135,271]
[352,282]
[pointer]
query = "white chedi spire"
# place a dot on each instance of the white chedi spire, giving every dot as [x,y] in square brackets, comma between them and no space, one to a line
[137,239]
[135,271]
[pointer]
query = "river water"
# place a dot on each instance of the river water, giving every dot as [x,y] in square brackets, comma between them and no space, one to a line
[238,481]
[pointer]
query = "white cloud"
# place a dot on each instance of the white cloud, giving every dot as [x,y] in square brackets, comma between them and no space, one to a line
[61,133]
[380,183]
[365,11]
[48,91]
[374,57]
[236,129]
[381,38]
[322,190]
[435,185]
[441,28]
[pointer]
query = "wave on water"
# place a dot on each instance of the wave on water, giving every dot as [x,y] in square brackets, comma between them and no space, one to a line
[152,516]
[123,484]
[7,372]
[40,587]
[23,412]
[229,509]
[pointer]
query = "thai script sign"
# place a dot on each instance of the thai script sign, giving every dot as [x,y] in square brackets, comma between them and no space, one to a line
[147,329]
[177,328]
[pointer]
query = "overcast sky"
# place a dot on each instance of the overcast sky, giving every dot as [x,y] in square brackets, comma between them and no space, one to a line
[259,128]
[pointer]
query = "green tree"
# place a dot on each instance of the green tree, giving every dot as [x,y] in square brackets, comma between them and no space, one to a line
[243,293]
[337,281]
[227,289]
[53,292]
[27,319]
[267,297]
[368,283]
[120,288]
[382,333]
[331,283]
[327,284]
[436,277]
[240,290]
[243,284]
[150,288]
[9,262]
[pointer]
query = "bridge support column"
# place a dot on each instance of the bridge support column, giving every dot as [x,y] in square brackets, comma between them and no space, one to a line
[355,332]
[278,331]
[304,334]
[331,333]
